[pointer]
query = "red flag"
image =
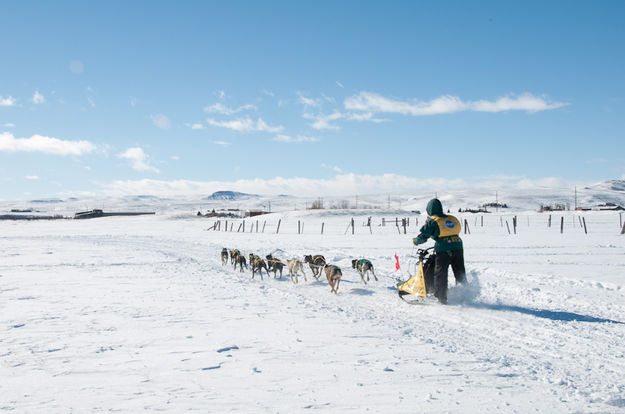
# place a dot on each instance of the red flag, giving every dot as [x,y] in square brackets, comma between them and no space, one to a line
[396,262]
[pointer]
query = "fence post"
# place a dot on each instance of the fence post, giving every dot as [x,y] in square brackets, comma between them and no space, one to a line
[514,224]
[466,227]
[322,224]
[302,227]
[620,218]
[264,223]
[383,222]
[352,225]
[231,227]
[501,221]
[226,226]
[240,224]
[584,220]
[481,221]
[580,220]
[256,226]
[298,227]
[549,222]
[243,226]
[561,224]
[403,222]
[508,226]
[623,229]
[278,230]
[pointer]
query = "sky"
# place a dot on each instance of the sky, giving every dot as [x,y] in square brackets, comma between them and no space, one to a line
[155,97]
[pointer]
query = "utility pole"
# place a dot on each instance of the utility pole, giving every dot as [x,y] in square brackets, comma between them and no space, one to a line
[575,198]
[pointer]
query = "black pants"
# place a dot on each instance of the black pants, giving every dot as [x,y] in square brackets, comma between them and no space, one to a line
[455,258]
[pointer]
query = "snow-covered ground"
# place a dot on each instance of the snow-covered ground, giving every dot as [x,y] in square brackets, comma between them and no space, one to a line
[137,313]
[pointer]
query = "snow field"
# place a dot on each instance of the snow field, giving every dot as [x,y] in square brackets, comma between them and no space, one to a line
[129,314]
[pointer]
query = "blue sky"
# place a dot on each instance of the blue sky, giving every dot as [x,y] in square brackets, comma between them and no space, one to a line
[169,97]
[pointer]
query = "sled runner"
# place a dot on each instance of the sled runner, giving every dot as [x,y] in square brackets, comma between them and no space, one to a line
[416,289]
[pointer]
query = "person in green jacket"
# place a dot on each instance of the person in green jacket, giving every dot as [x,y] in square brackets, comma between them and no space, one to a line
[444,230]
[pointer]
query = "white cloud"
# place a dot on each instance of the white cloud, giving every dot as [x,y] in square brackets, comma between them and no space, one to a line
[39,143]
[32,177]
[197,125]
[372,102]
[76,67]
[134,101]
[298,139]
[161,121]
[38,98]
[308,101]
[219,108]
[91,102]
[246,125]
[8,101]
[175,158]
[323,121]
[340,84]
[339,185]
[220,94]
[222,143]
[9,125]
[138,159]
[332,167]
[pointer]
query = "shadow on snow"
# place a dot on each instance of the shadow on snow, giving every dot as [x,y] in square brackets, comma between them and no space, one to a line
[544,313]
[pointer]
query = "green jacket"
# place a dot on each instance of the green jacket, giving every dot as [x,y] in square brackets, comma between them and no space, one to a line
[431,229]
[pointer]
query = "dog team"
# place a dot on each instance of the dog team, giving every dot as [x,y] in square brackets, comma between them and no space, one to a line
[294,266]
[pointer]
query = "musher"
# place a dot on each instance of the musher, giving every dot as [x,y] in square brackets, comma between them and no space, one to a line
[444,230]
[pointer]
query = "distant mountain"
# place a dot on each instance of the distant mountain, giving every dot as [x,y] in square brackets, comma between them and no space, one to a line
[617,185]
[229,195]
[52,200]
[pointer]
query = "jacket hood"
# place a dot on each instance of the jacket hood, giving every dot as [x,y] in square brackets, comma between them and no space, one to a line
[435,208]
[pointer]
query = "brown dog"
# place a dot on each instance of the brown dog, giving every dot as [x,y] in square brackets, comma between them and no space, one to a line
[294,267]
[334,274]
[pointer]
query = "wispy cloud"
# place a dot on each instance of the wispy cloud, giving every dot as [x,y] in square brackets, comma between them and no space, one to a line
[8,101]
[9,125]
[39,143]
[76,67]
[197,125]
[161,121]
[32,177]
[324,121]
[175,158]
[373,102]
[298,139]
[309,102]
[246,125]
[222,143]
[340,84]
[219,108]
[332,167]
[38,98]
[138,159]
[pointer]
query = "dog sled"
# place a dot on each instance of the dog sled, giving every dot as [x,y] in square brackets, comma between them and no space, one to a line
[419,289]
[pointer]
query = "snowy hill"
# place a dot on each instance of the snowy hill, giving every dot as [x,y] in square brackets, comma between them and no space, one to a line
[229,195]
